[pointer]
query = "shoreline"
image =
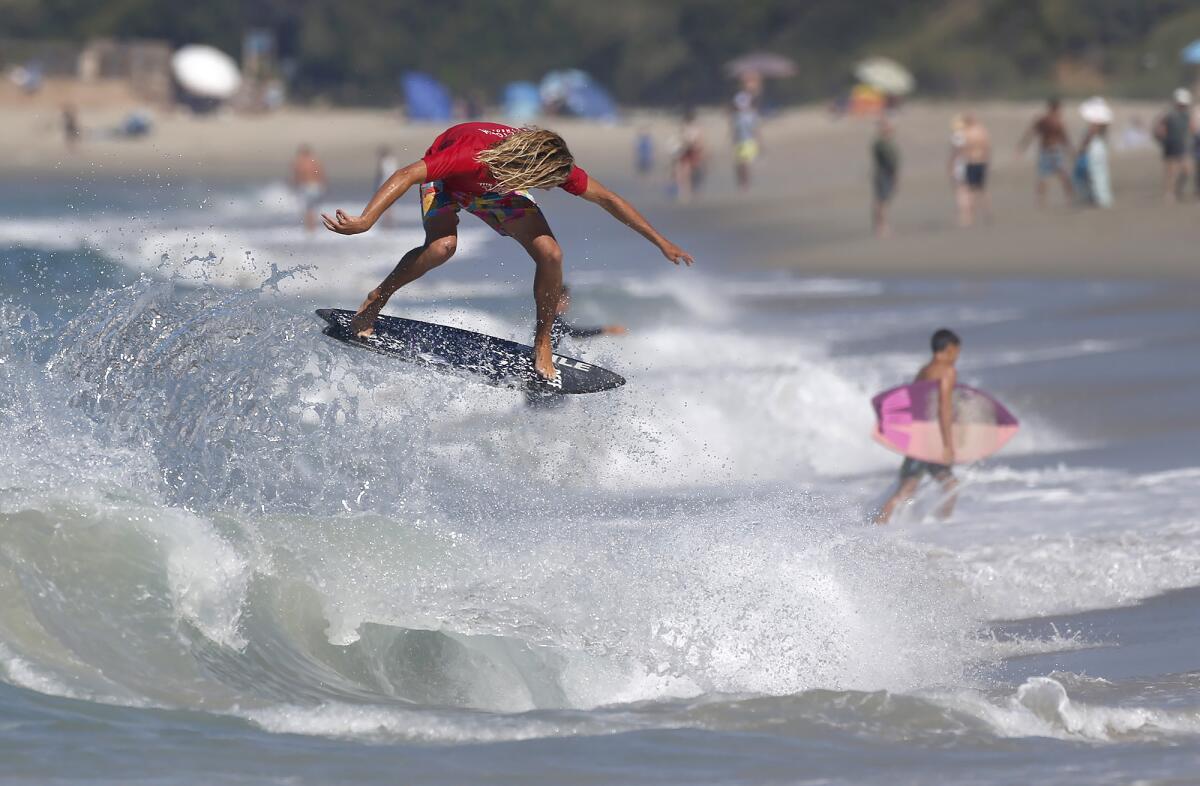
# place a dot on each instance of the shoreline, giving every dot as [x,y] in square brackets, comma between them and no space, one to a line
[807,211]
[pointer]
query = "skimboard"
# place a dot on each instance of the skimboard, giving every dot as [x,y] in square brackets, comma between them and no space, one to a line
[495,361]
[907,422]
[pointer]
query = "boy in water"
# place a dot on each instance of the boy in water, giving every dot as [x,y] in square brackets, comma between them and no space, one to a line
[940,369]
[488,169]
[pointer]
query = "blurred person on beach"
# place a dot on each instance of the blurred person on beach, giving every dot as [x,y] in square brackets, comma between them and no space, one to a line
[946,346]
[308,178]
[885,160]
[977,155]
[1094,150]
[1174,132]
[956,167]
[70,127]
[488,169]
[747,142]
[1196,149]
[1054,149]
[643,153]
[690,157]
[385,164]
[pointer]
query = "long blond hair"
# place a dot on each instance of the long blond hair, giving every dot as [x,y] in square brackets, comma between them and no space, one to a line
[530,158]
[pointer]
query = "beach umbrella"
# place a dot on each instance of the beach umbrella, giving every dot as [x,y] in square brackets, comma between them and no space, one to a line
[1191,53]
[764,64]
[1096,110]
[206,72]
[885,75]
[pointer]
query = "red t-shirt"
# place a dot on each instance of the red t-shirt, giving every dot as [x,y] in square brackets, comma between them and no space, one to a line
[451,159]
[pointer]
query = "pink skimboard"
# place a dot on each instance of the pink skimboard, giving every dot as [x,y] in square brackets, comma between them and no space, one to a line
[907,422]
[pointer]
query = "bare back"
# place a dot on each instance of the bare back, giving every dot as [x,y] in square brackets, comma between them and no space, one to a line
[977,144]
[1050,131]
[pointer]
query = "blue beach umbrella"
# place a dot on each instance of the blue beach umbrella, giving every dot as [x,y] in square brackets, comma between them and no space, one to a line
[1191,53]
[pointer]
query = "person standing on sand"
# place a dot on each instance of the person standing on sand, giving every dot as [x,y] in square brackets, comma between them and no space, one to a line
[977,154]
[956,167]
[747,143]
[1173,132]
[691,155]
[946,346]
[308,178]
[488,169]
[885,159]
[1054,150]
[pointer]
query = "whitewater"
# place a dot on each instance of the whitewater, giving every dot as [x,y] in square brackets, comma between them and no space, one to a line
[234,551]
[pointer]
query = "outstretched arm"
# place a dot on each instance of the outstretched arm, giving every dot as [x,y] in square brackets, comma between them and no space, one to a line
[628,215]
[392,189]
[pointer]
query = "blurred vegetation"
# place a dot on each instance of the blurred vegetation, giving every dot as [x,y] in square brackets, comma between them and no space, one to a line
[665,52]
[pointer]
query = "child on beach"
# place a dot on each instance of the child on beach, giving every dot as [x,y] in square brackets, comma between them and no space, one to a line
[945,345]
[488,169]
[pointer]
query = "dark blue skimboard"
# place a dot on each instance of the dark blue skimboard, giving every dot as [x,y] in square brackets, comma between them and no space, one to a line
[496,361]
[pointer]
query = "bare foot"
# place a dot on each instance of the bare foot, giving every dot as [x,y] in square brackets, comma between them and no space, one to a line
[363,323]
[543,364]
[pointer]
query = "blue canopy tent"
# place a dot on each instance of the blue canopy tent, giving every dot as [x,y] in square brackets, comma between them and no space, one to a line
[425,98]
[1190,54]
[522,102]
[576,93]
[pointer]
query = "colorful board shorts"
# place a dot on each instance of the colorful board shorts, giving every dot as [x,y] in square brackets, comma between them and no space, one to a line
[495,210]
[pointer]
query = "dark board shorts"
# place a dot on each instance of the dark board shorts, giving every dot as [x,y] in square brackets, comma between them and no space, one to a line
[976,176]
[915,468]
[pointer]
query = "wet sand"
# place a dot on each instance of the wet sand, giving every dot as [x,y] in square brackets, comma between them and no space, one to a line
[808,209]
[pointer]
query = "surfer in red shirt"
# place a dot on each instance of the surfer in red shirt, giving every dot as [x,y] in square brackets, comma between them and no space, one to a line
[488,170]
[946,346]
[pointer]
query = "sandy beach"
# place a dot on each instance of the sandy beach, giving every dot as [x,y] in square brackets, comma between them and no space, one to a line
[808,209]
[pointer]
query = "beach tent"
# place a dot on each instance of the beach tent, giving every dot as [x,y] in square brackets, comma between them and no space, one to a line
[1191,53]
[425,98]
[576,93]
[522,101]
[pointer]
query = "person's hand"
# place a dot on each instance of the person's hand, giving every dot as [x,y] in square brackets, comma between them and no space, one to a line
[948,455]
[345,224]
[675,254]
[615,330]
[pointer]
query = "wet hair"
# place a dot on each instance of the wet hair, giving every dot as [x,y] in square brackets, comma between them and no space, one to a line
[530,158]
[942,338]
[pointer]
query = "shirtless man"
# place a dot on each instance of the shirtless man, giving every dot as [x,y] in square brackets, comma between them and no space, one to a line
[1054,150]
[945,345]
[308,178]
[977,153]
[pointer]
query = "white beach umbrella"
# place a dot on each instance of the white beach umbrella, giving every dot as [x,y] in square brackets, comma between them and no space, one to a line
[206,72]
[885,75]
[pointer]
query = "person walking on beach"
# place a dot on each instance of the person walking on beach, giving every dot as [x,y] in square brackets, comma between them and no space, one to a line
[1173,132]
[885,160]
[308,178]
[946,346]
[977,154]
[1054,150]
[488,170]
[1094,149]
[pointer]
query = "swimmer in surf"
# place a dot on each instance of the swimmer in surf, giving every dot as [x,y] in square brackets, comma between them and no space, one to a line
[945,345]
[488,170]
